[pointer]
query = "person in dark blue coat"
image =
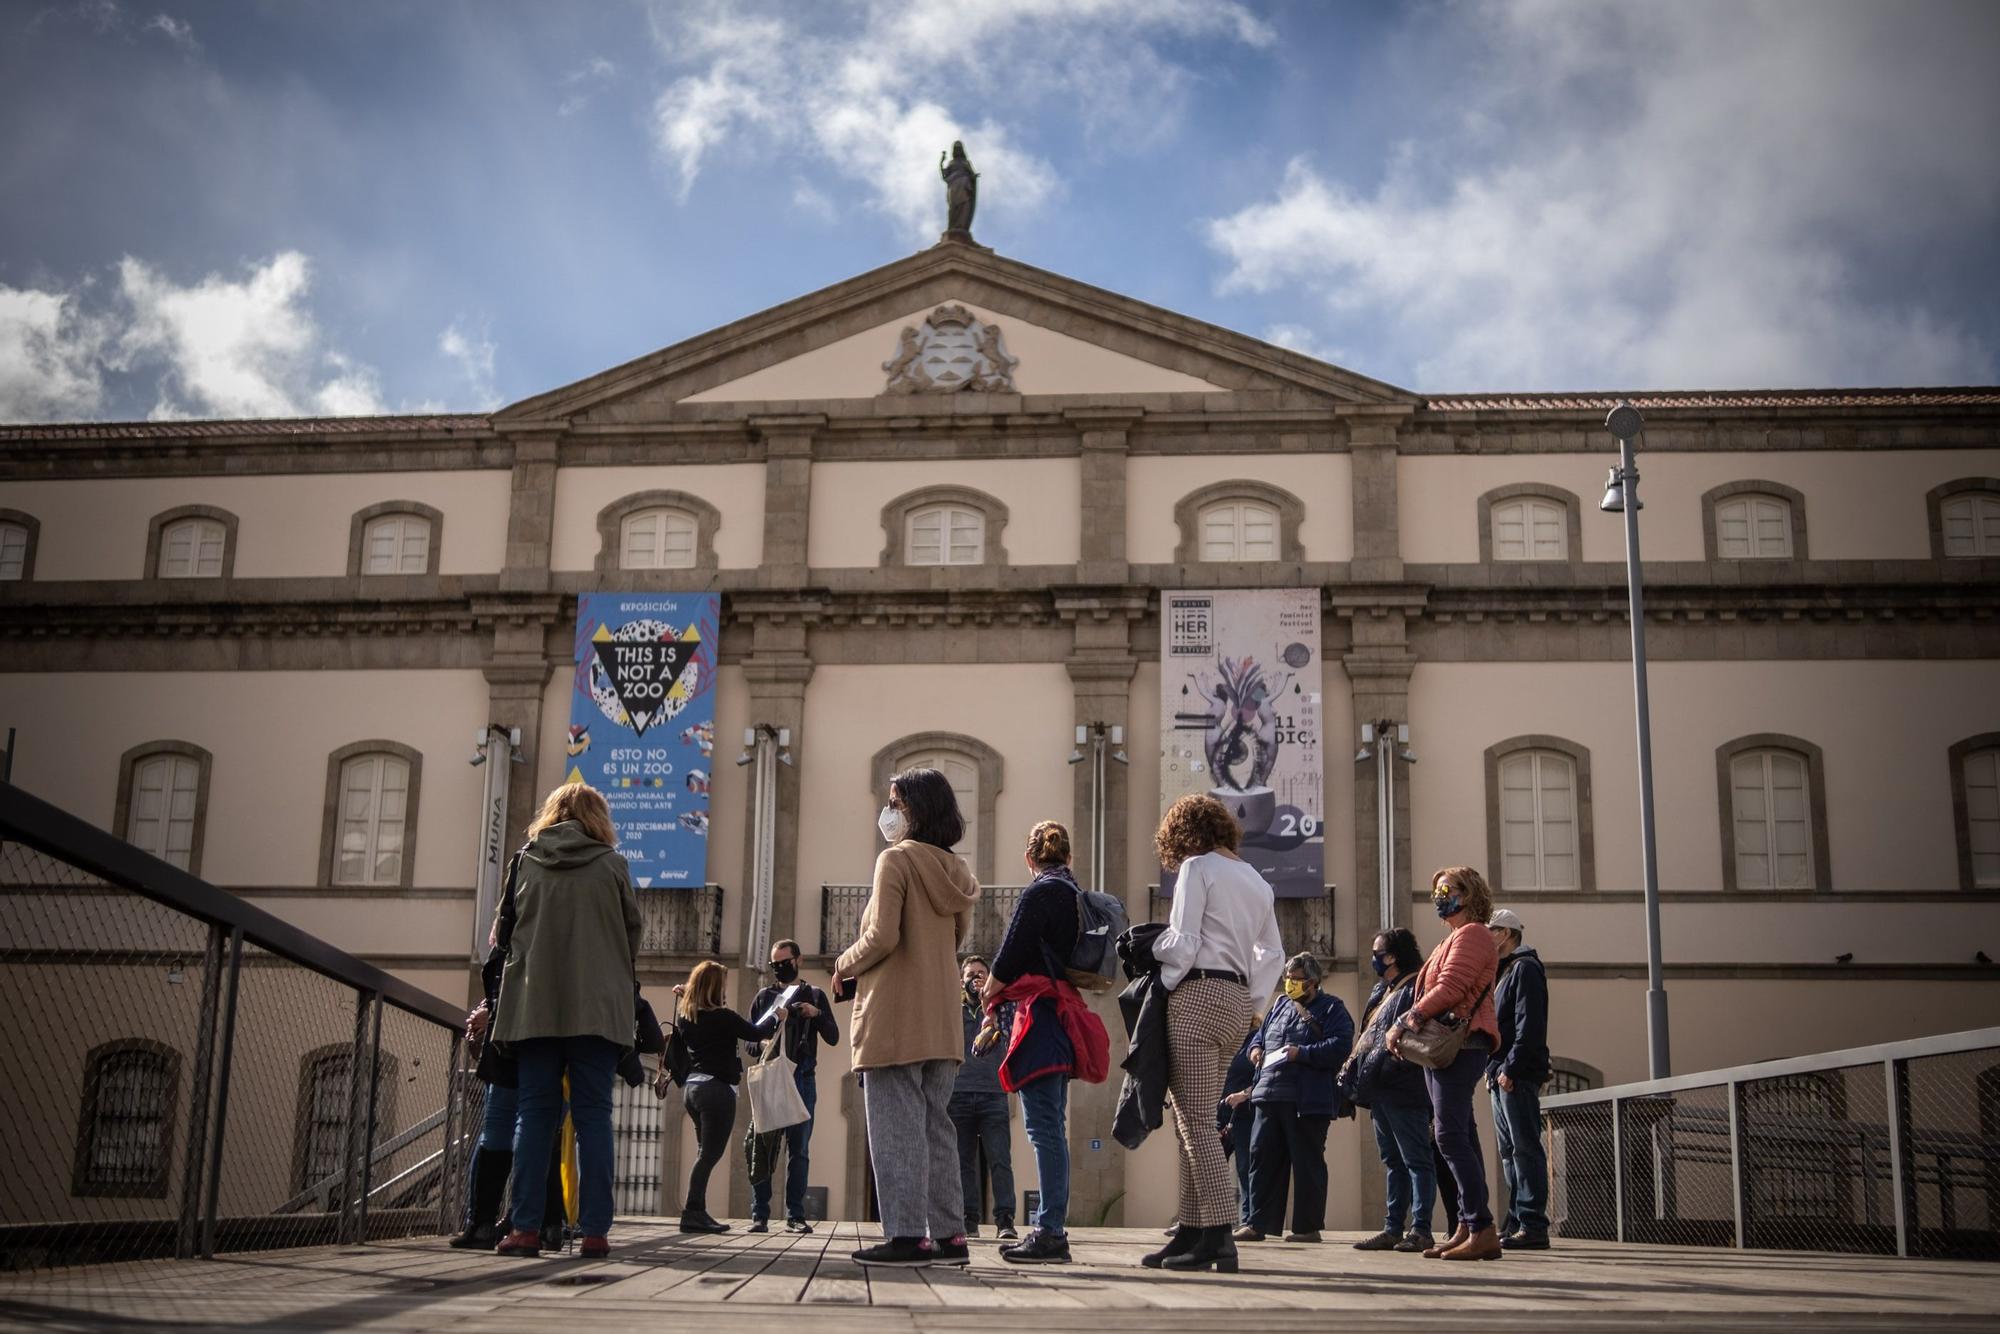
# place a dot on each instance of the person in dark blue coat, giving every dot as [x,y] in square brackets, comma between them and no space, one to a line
[1515,1074]
[1305,1038]
[1398,1103]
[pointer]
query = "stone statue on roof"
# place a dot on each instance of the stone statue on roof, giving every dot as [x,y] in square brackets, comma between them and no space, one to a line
[961,191]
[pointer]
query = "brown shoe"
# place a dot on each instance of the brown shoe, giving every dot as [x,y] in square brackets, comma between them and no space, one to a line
[1481,1245]
[1248,1233]
[1457,1238]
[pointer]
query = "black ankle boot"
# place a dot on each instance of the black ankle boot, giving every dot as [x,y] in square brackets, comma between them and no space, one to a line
[1214,1249]
[1181,1243]
[482,1211]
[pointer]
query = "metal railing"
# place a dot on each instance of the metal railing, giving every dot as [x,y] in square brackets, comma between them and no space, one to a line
[840,908]
[182,1073]
[681,921]
[1888,1150]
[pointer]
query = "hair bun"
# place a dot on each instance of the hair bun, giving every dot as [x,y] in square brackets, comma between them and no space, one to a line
[1048,844]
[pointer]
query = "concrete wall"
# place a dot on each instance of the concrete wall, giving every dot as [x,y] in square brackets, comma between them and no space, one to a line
[287,526]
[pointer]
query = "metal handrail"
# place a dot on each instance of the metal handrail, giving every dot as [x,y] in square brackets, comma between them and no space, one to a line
[55,832]
[1943,1044]
[321,1192]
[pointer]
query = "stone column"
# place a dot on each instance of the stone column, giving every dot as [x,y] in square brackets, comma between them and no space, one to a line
[788,445]
[1378,554]
[1103,435]
[1101,667]
[531,511]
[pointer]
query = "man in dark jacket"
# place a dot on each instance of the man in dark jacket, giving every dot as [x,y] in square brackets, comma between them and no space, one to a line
[1305,1039]
[1515,1074]
[810,1023]
[979,1110]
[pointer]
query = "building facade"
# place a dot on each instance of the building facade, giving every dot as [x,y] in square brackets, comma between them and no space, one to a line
[261,649]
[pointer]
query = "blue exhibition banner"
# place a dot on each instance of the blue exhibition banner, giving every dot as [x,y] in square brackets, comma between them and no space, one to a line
[642,724]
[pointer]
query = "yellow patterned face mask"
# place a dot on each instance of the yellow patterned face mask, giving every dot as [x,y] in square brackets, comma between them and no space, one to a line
[1295,989]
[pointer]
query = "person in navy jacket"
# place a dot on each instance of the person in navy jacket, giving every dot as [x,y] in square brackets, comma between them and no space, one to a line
[1515,1074]
[1305,1040]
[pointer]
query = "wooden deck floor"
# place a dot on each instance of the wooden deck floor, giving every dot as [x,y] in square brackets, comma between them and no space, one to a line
[658,1279]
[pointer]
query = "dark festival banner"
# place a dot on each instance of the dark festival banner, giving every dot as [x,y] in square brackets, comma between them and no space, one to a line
[642,725]
[1240,688]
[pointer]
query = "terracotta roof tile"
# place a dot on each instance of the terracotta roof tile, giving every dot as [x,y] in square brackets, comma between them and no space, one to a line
[1718,398]
[245,426]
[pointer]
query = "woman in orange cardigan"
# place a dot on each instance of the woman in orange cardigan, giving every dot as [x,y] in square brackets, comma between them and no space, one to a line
[1458,979]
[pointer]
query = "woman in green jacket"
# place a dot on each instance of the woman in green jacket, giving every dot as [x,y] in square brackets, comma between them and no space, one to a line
[571,937]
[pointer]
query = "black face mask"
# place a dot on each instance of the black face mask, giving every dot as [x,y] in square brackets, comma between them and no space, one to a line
[786,970]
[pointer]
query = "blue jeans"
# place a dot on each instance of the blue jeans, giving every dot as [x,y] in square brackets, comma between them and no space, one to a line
[590,1062]
[1403,1139]
[1043,1106]
[982,1123]
[1451,1091]
[1242,1124]
[496,1121]
[1524,1162]
[798,1159]
[1288,1155]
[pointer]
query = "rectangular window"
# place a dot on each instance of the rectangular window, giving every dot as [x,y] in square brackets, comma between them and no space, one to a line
[1239,531]
[191,549]
[13,551]
[398,544]
[161,817]
[374,797]
[1530,529]
[1753,528]
[1982,816]
[1538,843]
[1971,525]
[1773,821]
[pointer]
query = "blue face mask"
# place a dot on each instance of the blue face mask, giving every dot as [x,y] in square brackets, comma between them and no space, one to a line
[1379,964]
[1450,907]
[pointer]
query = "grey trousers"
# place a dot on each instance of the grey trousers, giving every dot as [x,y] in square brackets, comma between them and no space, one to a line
[915,1149]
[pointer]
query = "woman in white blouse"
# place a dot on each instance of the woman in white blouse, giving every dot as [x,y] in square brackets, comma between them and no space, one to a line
[1219,953]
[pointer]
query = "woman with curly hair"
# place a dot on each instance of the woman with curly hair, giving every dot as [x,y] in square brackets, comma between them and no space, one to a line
[1457,980]
[1220,952]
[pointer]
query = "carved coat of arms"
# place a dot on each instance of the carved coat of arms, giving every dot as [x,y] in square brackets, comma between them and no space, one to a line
[951,350]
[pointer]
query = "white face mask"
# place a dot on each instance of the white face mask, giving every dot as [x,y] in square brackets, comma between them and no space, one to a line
[893,824]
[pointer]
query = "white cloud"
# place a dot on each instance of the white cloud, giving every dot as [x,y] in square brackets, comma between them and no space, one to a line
[585,82]
[178,31]
[473,354]
[243,348]
[50,354]
[904,78]
[1690,194]
[1298,338]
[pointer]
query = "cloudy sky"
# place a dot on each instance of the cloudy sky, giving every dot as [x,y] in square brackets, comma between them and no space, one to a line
[232,208]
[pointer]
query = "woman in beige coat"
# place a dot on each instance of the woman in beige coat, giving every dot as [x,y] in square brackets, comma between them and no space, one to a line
[908,1034]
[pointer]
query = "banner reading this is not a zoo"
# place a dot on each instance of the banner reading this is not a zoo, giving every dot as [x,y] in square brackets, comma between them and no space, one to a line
[1240,681]
[642,725]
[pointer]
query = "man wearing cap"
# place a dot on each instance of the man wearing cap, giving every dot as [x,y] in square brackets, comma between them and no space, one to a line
[1515,1074]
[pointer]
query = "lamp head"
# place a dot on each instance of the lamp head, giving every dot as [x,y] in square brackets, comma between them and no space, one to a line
[1624,422]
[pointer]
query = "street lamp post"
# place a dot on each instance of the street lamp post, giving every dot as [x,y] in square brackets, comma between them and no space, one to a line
[1621,495]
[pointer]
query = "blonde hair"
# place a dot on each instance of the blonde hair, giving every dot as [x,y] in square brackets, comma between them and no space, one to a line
[704,988]
[1048,844]
[579,802]
[1471,886]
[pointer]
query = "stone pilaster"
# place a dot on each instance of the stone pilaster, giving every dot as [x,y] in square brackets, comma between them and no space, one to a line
[1104,439]
[531,511]
[1101,667]
[1378,554]
[787,496]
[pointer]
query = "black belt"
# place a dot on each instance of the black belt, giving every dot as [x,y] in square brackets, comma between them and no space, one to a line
[1219,974]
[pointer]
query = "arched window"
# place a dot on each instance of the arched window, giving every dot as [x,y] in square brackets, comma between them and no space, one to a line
[1965,518]
[395,537]
[163,801]
[1529,521]
[193,547]
[1538,812]
[1239,530]
[657,539]
[1975,808]
[1239,521]
[1774,814]
[18,534]
[126,1128]
[944,525]
[1754,520]
[1567,1076]
[657,530]
[326,1100]
[975,772]
[371,815]
[946,535]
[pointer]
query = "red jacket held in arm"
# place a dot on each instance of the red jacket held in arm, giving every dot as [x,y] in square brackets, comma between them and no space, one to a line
[1462,966]
[1027,1060]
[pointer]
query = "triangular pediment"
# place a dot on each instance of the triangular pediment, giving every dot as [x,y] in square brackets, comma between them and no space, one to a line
[1062,340]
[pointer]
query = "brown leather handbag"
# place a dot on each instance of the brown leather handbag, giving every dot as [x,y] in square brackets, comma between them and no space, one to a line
[1435,1042]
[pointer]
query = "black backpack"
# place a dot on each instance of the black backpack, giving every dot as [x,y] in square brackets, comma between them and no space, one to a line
[679,1060]
[1100,920]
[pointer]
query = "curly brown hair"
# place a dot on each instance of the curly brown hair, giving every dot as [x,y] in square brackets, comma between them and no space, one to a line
[1194,825]
[1048,844]
[1471,886]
